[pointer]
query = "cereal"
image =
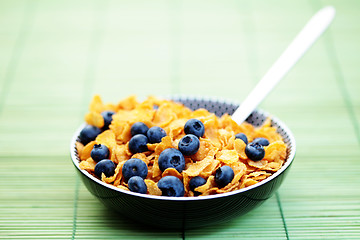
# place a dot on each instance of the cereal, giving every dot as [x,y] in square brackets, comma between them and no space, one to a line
[218,145]
[95,119]
[172,172]
[239,146]
[276,150]
[88,165]
[197,168]
[107,138]
[96,105]
[116,176]
[227,156]
[210,183]
[152,187]
[86,151]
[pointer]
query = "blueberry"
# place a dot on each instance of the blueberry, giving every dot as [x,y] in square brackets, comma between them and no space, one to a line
[105,166]
[137,144]
[171,186]
[107,115]
[189,144]
[224,175]
[139,128]
[196,182]
[171,158]
[88,134]
[155,134]
[134,167]
[262,141]
[194,126]
[254,151]
[137,184]
[99,152]
[242,137]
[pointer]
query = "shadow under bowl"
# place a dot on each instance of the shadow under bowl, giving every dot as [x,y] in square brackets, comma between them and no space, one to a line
[191,212]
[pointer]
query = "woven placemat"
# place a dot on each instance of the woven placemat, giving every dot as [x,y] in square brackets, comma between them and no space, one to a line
[56,54]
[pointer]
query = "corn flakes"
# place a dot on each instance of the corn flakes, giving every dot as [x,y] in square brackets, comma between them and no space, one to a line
[217,147]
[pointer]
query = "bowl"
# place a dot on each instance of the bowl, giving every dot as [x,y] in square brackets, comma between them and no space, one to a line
[191,212]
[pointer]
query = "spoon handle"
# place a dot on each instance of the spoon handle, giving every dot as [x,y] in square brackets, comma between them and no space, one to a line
[302,42]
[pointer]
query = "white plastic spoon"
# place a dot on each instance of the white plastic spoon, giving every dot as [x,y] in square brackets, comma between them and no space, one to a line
[302,42]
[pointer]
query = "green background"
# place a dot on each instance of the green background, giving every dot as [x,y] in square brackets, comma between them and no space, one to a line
[55,55]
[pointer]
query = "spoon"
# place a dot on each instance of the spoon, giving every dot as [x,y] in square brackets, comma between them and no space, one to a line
[302,42]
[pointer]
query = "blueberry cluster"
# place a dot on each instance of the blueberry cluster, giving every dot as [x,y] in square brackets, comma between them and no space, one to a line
[142,135]
[174,158]
[89,133]
[135,170]
[255,150]
[100,153]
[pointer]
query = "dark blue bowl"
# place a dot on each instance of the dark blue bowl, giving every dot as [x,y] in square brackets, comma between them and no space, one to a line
[191,212]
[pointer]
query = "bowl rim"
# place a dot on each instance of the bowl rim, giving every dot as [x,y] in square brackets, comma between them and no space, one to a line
[176,98]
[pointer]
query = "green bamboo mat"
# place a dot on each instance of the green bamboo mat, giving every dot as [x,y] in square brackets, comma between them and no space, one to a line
[54,55]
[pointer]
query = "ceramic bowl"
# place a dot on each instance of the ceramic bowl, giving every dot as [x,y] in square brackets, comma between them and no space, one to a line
[191,212]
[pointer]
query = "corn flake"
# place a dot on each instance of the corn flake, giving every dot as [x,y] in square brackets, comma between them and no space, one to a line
[107,138]
[210,183]
[88,165]
[172,172]
[227,156]
[95,119]
[198,167]
[86,151]
[275,150]
[152,187]
[96,104]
